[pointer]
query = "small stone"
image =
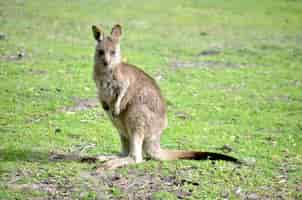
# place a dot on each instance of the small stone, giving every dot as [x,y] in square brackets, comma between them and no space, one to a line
[226,148]
[250,161]
[2,36]
[158,77]
[57,130]
[183,115]
[252,196]
[238,191]
[225,195]
[20,55]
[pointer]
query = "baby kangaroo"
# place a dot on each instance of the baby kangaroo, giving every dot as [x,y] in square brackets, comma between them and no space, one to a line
[139,109]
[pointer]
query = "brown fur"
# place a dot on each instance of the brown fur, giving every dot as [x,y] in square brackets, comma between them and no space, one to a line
[142,116]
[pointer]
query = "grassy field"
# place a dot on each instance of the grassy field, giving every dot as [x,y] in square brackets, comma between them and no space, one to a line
[231,72]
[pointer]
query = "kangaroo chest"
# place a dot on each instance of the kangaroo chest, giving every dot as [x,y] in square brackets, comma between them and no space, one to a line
[108,88]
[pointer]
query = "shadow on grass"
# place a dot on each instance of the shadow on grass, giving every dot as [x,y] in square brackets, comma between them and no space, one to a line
[28,155]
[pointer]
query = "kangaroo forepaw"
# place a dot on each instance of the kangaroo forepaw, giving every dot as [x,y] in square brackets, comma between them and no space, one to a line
[116,112]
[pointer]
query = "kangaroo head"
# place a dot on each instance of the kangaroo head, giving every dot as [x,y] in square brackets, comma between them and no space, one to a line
[107,52]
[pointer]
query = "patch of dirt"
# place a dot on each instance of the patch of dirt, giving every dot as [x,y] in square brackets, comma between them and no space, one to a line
[178,64]
[54,188]
[81,104]
[50,183]
[282,179]
[280,187]
[140,184]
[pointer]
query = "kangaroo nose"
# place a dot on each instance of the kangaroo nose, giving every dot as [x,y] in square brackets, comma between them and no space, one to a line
[105,62]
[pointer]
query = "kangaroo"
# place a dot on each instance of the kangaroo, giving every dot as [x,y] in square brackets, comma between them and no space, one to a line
[140,113]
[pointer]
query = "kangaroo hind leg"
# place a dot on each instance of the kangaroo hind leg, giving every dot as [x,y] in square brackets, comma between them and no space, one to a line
[135,154]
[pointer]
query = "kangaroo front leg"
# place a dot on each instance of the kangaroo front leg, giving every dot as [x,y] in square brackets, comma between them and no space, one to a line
[124,145]
[135,155]
[136,147]
[117,106]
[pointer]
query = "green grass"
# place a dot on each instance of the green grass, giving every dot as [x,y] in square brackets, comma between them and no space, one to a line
[249,97]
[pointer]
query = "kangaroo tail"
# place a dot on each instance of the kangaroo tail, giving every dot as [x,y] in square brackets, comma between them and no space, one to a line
[165,154]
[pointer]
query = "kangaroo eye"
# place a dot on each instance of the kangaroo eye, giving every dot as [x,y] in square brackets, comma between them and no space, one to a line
[101,52]
[112,52]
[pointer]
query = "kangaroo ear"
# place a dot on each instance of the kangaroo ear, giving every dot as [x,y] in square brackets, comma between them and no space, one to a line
[97,33]
[116,32]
